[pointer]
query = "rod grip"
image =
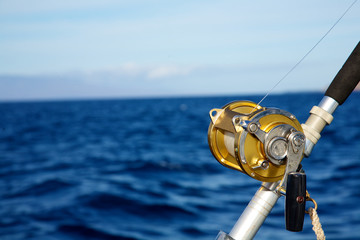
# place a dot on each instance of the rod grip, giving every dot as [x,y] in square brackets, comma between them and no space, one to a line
[347,78]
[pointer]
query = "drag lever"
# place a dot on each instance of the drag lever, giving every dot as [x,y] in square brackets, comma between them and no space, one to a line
[295,201]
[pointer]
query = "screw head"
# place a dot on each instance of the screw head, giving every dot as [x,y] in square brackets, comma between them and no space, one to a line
[265,165]
[300,199]
[253,127]
[298,140]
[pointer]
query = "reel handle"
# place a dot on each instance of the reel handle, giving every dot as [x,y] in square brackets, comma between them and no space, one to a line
[295,201]
[347,78]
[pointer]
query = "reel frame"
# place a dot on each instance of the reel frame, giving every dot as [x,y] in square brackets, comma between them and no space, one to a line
[254,140]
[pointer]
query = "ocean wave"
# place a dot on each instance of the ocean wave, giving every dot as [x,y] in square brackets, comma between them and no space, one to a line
[82,232]
[48,186]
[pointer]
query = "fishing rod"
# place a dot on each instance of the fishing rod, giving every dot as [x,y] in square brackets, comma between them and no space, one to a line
[268,144]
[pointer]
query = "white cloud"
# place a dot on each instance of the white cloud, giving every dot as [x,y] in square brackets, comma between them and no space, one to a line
[169,71]
[131,69]
[152,72]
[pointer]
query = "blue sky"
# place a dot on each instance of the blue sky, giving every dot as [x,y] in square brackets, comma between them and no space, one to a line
[52,49]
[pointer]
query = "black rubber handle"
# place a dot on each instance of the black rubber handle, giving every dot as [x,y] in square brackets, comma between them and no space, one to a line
[295,201]
[347,78]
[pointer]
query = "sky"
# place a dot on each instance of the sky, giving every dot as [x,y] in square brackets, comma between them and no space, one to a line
[52,49]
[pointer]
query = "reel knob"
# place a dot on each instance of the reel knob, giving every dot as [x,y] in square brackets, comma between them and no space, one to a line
[295,201]
[254,140]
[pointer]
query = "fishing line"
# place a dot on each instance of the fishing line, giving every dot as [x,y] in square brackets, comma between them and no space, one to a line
[267,94]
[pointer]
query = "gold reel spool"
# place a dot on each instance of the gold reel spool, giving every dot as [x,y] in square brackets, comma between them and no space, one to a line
[252,139]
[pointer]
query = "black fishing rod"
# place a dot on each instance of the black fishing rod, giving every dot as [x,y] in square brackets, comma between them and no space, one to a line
[268,144]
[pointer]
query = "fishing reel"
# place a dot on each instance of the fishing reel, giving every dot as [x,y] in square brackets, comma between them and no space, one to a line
[264,143]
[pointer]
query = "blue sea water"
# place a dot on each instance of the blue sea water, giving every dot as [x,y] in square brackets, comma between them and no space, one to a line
[142,169]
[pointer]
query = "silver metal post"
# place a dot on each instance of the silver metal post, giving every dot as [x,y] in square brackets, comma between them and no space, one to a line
[256,212]
[328,104]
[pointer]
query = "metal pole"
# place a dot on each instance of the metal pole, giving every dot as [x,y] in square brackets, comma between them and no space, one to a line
[256,212]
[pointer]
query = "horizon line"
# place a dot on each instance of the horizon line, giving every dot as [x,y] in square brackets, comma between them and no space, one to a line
[151,97]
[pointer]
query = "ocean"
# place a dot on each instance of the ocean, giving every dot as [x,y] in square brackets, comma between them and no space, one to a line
[142,169]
